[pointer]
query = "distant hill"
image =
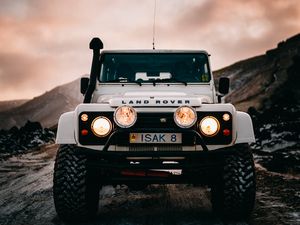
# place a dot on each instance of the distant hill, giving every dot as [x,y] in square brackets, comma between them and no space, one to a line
[7,105]
[45,109]
[259,81]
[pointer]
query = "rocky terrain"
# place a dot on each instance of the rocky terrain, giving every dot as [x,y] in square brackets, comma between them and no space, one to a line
[16,141]
[26,198]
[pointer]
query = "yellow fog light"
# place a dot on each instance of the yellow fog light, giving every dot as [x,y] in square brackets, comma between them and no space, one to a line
[101,126]
[125,116]
[185,117]
[209,126]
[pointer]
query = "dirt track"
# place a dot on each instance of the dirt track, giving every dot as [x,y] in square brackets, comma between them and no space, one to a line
[26,198]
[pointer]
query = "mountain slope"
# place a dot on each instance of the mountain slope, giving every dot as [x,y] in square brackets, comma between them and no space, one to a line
[7,105]
[45,108]
[257,82]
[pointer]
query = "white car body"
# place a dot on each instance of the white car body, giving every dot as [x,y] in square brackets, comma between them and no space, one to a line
[163,97]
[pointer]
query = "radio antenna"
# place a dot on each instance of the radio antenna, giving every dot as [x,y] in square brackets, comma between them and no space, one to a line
[153,31]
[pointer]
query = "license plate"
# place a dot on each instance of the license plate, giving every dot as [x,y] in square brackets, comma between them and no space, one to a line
[155,138]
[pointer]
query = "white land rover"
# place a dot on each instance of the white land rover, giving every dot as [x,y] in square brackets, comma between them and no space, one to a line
[146,113]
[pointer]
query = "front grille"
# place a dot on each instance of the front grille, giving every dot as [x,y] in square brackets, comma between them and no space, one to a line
[151,148]
[155,123]
[155,120]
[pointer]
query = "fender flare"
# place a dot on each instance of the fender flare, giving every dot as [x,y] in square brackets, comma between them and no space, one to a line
[65,129]
[244,129]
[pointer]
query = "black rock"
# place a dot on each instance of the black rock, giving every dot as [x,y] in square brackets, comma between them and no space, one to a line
[31,135]
[31,127]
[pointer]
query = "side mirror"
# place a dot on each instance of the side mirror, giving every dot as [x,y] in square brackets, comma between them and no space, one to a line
[84,83]
[224,85]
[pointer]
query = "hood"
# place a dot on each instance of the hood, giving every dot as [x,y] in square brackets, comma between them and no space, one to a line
[151,99]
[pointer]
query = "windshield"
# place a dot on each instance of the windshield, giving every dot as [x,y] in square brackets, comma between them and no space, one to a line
[154,67]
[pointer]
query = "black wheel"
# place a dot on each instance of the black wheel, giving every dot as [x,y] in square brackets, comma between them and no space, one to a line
[233,195]
[75,188]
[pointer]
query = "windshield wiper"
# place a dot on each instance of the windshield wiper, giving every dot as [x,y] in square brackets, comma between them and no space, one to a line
[116,80]
[135,81]
[123,80]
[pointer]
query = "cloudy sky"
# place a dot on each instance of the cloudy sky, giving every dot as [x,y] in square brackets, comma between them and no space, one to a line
[45,43]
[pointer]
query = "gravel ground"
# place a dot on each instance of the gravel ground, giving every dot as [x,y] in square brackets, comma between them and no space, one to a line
[26,198]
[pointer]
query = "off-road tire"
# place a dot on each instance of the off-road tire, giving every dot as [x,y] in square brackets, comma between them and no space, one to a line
[75,187]
[233,195]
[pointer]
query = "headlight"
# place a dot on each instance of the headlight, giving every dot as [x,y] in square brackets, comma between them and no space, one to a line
[125,116]
[101,126]
[209,126]
[185,117]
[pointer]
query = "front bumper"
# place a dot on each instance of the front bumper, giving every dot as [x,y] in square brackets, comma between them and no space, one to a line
[198,137]
[186,160]
[198,167]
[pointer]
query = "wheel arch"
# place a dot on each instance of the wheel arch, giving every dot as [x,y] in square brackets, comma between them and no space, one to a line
[244,128]
[66,129]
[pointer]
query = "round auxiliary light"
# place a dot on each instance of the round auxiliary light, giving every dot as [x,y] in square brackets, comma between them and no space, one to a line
[209,126]
[185,116]
[125,116]
[101,126]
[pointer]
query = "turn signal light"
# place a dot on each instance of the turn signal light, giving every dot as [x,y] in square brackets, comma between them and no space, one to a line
[84,117]
[226,117]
